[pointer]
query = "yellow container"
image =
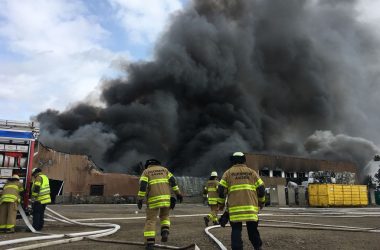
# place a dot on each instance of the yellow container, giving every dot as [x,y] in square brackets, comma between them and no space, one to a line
[325,195]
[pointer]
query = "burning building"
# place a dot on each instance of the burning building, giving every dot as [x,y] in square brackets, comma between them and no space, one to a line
[280,169]
[75,178]
[248,75]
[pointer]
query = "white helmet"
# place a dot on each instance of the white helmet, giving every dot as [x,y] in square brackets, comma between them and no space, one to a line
[35,170]
[214,173]
[238,154]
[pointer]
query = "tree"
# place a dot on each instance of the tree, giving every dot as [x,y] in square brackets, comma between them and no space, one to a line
[377,177]
[369,180]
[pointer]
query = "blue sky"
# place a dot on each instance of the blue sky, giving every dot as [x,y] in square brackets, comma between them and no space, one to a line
[54,53]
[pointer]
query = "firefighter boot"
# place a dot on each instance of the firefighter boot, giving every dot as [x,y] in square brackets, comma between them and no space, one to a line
[164,235]
[149,243]
[149,246]
[206,220]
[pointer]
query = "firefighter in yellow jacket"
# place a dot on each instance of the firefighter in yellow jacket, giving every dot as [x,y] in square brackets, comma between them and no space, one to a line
[155,184]
[9,200]
[211,190]
[245,195]
[40,197]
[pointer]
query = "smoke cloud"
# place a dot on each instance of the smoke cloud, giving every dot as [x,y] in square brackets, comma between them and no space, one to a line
[247,75]
[324,145]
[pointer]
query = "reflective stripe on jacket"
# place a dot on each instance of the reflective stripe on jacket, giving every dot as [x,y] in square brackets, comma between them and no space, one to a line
[241,183]
[11,191]
[158,182]
[43,195]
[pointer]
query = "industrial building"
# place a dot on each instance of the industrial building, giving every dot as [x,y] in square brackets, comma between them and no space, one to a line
[77,179]
[280,169]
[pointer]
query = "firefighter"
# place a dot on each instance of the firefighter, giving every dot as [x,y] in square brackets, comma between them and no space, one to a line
[155,184]
[9,201]
[211,191]
[245,193]
[40,197]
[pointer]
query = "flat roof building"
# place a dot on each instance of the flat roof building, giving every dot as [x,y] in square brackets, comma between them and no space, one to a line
[279,169]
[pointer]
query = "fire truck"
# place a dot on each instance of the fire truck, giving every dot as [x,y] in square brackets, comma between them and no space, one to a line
[17,149]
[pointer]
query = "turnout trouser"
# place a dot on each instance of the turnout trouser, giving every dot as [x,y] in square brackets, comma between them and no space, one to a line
[213,215]
[8,213]
[38,215]
[253,235]
[150,223]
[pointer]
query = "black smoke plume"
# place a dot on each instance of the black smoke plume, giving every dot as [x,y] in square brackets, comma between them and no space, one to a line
[235,75]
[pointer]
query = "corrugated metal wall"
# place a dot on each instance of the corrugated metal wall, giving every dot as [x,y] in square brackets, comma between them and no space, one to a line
[191,186]
[79,173]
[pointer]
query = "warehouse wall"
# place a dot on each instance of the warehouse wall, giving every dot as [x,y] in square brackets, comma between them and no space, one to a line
[79,174]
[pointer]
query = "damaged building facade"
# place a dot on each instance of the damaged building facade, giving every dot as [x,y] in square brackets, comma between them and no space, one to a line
[76,179]
[280,169]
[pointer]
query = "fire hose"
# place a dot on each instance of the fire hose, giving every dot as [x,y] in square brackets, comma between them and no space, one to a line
[99,233]
[73,237]
[309,226]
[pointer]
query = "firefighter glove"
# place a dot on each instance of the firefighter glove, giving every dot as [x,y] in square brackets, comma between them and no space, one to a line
[139,203]
[173,201]
[180,198]
[223,220]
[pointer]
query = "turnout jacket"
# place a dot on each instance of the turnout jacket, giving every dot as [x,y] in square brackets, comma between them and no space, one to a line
[155,184]
[239,183]
[41,189]
[211,189]
[11,191]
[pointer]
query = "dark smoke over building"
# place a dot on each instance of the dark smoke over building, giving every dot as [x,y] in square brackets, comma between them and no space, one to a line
[248,75]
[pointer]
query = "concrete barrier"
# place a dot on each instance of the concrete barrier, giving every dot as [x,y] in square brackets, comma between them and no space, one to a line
[291,197]
[277,195]
[273,196]
[302,196]
[281,195]
[372,199]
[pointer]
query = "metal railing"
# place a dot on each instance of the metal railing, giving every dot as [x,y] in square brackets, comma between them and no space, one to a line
[28,126]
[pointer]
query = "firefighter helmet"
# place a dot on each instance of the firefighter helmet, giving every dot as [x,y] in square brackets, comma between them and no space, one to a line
[36,170]
[237,158]
[15,177]
[152,162]
[238,154]
[214,174]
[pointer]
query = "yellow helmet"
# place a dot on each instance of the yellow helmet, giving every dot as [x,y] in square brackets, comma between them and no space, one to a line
[214,173]
[15,176]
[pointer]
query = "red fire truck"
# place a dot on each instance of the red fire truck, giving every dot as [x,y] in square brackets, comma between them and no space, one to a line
[17,149]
